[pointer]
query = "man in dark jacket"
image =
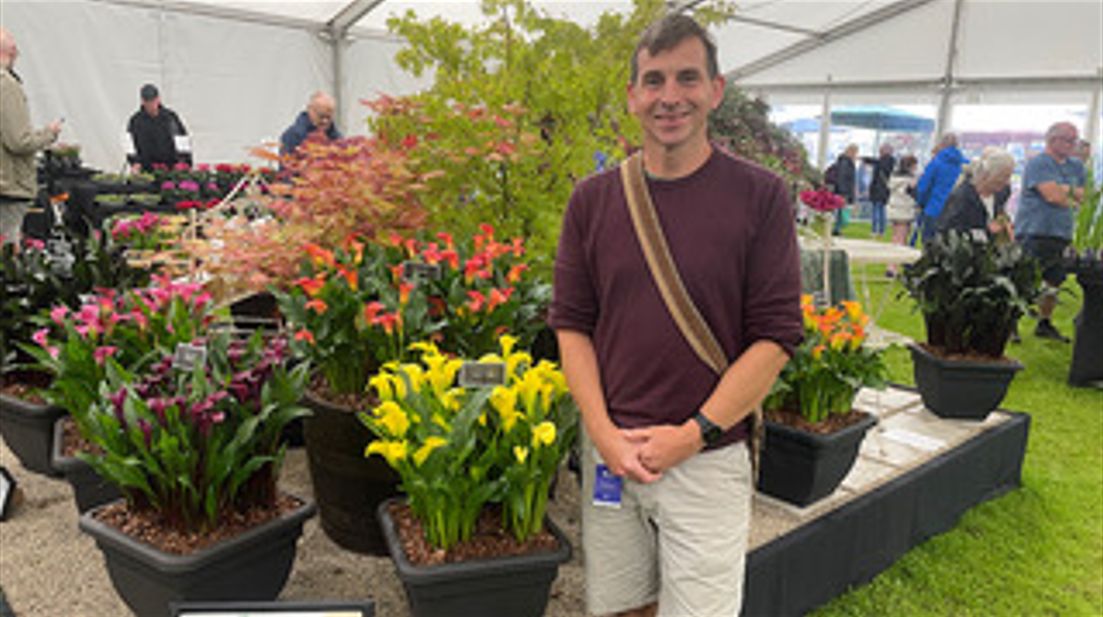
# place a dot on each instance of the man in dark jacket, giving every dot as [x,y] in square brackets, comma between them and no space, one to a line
[846,176]
[158,133]
[316,118]
[879,186]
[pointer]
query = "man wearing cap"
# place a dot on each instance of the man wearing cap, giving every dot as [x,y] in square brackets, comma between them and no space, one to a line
[18,143]
[154,129]
[317,118]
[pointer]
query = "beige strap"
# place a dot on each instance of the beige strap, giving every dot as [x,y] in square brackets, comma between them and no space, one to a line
[673,291]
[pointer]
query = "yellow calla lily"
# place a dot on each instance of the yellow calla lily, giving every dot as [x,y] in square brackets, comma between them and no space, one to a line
[543,434]
[521,453]
[431,443]
[393,451]
[393,418]
[382,384]
[507,342]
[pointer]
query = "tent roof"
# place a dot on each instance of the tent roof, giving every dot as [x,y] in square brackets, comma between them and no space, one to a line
[779,44]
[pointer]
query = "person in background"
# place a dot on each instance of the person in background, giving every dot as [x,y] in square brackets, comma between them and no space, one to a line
[846,185]
[317,118]
[1083,151]
[980,202]
[154,129]
[666,472]
[937,181]
[19,141]
[901,207]
[879,186]
[1053,185]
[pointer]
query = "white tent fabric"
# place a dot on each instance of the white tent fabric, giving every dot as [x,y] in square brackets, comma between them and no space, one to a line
[238,71]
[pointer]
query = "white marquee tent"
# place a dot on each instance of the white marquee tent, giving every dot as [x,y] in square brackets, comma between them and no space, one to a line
[238,71]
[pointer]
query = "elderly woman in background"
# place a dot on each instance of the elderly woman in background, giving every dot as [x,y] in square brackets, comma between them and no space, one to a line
[902,209]
[979,201]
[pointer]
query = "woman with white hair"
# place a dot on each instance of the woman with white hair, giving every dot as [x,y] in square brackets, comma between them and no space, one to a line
[979,201]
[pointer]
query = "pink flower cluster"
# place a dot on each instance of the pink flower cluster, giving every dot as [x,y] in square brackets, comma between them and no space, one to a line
[100,316]
[822,200]
[126,229]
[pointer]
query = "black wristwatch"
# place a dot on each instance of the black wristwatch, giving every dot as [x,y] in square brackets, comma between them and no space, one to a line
[710,432]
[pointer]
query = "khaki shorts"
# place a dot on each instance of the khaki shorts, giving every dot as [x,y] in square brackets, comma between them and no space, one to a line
[681,540]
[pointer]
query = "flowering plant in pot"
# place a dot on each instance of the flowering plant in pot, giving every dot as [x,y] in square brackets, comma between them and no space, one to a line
[483,288]
[469,457]
[32,282]
[139,232]
[348,313]
[196,450]
[812,431]
[971,292]
[72,347]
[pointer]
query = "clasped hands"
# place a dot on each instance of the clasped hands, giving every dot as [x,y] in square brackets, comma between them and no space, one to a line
[643,454]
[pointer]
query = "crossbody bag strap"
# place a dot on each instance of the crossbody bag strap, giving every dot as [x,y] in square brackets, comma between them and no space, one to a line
[664,272]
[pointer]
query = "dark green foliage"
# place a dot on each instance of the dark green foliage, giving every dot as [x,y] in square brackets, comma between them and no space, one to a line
[971,291]
[742,125]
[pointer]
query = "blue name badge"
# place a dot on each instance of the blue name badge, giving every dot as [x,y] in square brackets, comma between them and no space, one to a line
[607,487]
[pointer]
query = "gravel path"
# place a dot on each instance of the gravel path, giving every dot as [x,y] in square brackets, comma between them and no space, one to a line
[48,568]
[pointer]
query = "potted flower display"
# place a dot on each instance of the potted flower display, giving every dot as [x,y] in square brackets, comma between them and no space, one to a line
[1086,261]
[35,279]
[193,441]
[73,348]
[347,314]
[471,537]
[358,307]
[812,430]
[971,292]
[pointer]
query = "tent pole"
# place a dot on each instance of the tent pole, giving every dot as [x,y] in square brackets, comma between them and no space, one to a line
[825,127]
[335,40]
[948,77]
[1091,128]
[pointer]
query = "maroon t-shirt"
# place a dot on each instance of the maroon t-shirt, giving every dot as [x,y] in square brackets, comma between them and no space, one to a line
[731,232]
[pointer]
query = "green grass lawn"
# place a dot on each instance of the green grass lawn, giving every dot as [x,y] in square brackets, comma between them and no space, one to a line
[1035,551]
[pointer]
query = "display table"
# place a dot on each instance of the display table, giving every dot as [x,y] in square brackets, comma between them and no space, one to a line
[915,475]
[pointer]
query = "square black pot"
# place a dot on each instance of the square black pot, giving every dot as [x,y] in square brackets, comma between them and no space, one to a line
[961,389]
[801,467]
[517,586]
[28,429]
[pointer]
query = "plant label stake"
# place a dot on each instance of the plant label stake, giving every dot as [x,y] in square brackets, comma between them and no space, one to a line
[482,374]
[60,255]
[188,356]
[413,271]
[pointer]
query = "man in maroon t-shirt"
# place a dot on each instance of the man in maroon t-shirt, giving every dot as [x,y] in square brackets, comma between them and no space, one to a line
[667,482]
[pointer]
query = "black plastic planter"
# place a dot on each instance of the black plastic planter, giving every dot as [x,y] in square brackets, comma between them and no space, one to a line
[961,389]
[517,586]
[28,429]
[347,485]
[250,566]
[89,489]
[801,467]
[1086,367]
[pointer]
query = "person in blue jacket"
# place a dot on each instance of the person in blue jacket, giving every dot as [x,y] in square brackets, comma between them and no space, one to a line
[937,182]
[317,117]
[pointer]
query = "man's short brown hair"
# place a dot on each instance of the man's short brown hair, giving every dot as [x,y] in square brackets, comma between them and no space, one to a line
[667,33]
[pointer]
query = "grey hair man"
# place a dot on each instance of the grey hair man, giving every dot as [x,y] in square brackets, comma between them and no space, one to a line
[1053,185]
[317,118]
[19,141]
